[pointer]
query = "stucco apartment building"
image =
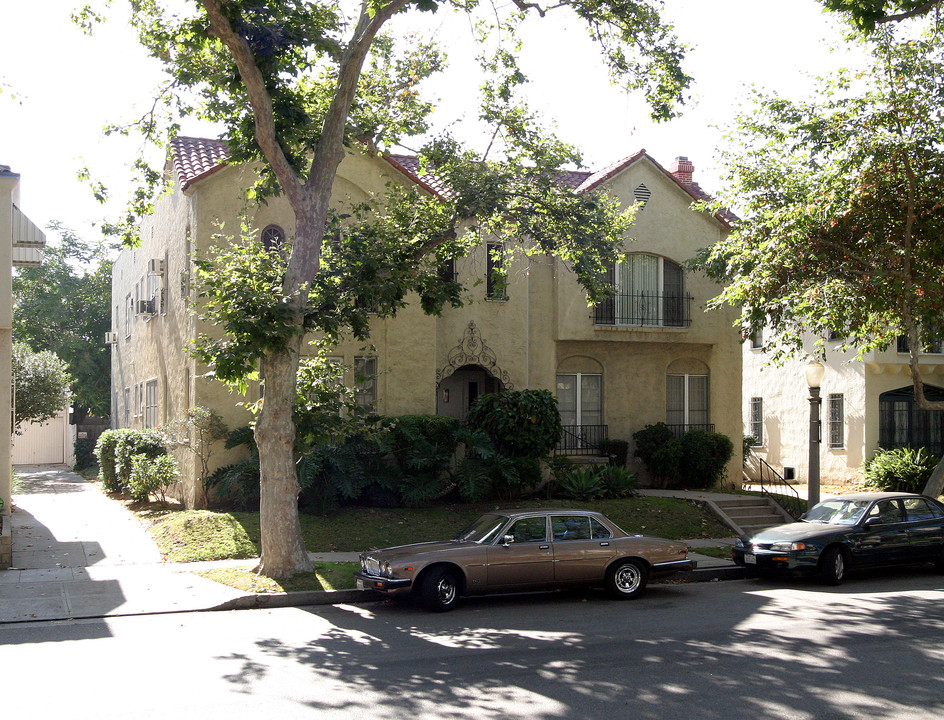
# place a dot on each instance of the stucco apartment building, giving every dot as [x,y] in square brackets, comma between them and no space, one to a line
[21,244]
[651,354]
[867,403]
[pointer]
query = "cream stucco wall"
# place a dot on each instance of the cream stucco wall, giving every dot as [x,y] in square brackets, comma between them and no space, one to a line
[9,194]
[860,381]
[542,327]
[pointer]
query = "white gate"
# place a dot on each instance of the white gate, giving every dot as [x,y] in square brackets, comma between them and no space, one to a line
[49,443]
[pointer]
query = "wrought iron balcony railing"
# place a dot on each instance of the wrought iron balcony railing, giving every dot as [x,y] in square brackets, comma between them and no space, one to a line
[645,309]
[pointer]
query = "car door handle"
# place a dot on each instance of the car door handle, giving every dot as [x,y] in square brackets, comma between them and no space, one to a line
[545,547]
[604,544]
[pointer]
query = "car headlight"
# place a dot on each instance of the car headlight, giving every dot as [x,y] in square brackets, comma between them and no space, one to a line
[385,569]
[787,546]
[739,543]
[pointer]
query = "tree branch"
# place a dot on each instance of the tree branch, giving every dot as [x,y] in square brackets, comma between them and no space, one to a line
[259,98]
[920,10]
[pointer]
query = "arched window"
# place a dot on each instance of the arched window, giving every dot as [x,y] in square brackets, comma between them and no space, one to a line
[650,291]
[272,237]
[903,424]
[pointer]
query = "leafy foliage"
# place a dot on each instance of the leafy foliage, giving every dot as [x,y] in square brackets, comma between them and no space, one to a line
[617,450]
[705,457]
[697,459]
[520,423]
[64,306]
[41,385]
[899,470]
[866,15]
[661,452]
[152,476]
[582,484]
[130,443]
[840,200]
[619,481]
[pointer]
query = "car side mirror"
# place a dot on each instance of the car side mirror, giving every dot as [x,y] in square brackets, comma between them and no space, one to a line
[876,520]
[508,540]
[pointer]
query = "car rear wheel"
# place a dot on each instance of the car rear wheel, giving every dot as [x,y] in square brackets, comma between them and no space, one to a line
[627,579]
[833,565]
[440,590]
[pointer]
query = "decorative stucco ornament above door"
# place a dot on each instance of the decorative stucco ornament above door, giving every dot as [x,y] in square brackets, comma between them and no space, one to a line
[472,350]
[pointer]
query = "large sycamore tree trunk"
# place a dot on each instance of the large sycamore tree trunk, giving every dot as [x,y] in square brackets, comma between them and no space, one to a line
[283,551]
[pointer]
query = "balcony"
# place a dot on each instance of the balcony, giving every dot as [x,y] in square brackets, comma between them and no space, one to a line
[581,440]
[645,310]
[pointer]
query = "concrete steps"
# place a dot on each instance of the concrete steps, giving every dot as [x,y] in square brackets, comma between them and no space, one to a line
[748,514]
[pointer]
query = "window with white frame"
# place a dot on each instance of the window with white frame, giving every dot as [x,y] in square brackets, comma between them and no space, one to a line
[836,413]
[756,426]
[649,290]
[129,313]
[580,398]
[686,402]
[127,413]
[365,382]
[150,404]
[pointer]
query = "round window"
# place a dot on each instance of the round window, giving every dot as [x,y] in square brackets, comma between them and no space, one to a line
[272,237]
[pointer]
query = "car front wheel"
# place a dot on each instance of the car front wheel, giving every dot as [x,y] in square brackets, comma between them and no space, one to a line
[627,579]
[440,590]
[833,564]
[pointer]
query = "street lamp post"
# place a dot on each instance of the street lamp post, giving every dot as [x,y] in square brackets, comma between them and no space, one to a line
[814,378]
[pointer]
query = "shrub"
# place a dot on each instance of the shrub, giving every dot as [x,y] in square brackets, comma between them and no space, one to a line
[705,457]
[899,470]
[84,454]
[105,453]
[617,450]
[236,486]
[520,423]
[661,452]
[582,484]
[131,443]
[152,476]
[619,481]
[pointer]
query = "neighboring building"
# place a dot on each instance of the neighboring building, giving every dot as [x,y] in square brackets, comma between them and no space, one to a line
[867,403]
[21,244]
[649,355]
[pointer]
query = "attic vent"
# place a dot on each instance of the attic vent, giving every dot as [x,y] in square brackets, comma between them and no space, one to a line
[642,195]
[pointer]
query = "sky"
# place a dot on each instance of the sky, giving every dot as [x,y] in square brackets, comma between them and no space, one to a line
[59,88]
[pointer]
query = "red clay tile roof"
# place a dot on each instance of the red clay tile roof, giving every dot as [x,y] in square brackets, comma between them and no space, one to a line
[196,158]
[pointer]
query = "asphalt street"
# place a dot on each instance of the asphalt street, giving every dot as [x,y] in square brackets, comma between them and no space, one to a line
[873,648]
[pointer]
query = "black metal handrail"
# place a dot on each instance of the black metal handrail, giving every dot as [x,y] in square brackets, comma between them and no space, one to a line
[645,309]
[773,485]
[679,430]
[581,440]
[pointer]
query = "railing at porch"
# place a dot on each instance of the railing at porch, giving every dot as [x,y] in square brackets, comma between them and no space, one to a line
[581,440]
[679,430]
[773,485]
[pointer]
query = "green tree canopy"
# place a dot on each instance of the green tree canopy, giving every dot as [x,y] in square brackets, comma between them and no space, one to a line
[63,306]
[296,83]
[868,14]
[41,385]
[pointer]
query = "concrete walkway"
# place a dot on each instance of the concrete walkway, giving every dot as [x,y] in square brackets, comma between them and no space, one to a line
[79,554]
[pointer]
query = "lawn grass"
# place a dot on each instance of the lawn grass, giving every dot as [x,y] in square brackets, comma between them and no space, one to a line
[327,576]
[188,536]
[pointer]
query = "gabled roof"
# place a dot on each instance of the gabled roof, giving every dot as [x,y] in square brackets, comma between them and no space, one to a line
[197,158]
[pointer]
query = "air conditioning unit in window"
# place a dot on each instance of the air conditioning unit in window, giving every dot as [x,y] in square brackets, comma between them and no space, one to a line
[146,308]
[111,338]
[155,267]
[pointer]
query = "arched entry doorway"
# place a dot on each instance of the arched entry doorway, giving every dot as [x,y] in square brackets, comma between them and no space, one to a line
[471,371]
[457,392]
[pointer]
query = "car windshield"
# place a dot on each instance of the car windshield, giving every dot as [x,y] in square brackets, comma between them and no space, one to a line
[482,530]
[837,512]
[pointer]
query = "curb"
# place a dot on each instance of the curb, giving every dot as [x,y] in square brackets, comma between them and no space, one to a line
[261,601]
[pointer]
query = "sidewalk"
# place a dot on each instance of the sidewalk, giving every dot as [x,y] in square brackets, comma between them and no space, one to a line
[79,554]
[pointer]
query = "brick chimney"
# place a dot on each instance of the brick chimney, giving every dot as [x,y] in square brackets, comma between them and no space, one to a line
[683,169]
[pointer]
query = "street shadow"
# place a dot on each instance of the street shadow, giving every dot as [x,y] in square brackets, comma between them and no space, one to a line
[665,655]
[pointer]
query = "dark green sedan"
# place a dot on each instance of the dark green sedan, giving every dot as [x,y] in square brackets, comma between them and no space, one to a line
[850,531]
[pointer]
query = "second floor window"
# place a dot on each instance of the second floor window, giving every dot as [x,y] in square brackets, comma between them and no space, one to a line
[649,291]
[495,276]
